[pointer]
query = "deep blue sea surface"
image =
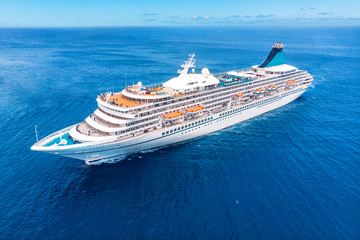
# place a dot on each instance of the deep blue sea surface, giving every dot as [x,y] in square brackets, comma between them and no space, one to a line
[293,173]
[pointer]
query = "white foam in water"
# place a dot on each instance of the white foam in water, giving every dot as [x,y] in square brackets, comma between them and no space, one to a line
[151,150]
[167,146]
[107,160]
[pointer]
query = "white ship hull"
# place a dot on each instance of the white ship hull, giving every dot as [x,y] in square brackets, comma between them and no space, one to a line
[118,150]
[191,105]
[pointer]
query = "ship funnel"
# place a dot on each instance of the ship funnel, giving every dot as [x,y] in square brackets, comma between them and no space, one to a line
[275,57]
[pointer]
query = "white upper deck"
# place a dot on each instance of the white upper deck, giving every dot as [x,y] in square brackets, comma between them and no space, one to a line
[188,82]
[279,69]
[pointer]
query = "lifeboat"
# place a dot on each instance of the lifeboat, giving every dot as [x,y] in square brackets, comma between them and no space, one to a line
[195,109]
[173,115]
[239,95]
[237,98]
[271,88]
[260,91]
[291,82]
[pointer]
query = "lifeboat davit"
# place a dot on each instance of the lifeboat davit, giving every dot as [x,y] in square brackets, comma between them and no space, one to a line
[195,109]
[173,115]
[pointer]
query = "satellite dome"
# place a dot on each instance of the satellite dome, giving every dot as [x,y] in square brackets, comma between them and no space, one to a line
[205,72]
[139,84]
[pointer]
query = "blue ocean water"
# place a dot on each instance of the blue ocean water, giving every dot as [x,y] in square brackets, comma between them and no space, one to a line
[293,173]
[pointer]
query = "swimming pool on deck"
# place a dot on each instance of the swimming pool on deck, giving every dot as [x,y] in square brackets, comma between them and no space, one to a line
[64,140]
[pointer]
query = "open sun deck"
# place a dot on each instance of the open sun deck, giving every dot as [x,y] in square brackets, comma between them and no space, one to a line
[136,99]
[121,101]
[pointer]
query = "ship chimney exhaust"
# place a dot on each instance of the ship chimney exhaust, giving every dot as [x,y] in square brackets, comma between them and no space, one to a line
[275,57]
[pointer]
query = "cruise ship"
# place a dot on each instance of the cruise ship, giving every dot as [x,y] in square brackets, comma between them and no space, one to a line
[187,106]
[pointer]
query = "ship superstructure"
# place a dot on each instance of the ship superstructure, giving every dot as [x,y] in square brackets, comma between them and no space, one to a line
[187,106]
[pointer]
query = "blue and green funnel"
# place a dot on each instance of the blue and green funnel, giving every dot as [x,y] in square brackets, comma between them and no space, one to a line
[275,57]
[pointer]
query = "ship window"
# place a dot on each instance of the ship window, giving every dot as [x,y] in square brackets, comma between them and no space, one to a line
[167,132]
[163,133]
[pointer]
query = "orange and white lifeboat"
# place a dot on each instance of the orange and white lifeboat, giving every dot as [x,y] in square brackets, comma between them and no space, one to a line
[271,88]
[260,91]
[239,95]
[291,82]
[195,109]
[173,115]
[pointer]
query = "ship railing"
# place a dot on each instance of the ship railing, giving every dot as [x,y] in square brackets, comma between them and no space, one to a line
[44,140]
[239,71]
[144,87]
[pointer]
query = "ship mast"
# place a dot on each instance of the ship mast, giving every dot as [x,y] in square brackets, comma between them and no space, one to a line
[188,64]
[36,134]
